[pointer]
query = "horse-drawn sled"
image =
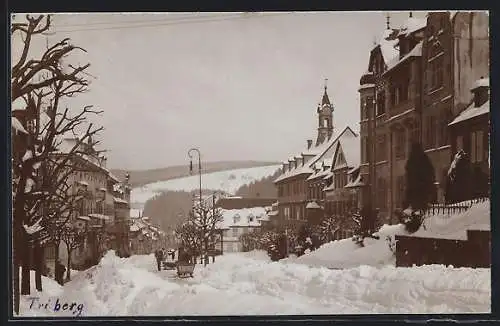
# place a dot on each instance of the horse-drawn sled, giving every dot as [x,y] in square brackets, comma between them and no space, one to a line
[185,269]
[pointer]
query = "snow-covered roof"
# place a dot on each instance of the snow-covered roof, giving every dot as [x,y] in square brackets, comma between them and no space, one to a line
[366,86]
[247,217]
[82,217]
[351,148]
[323,150]
[415,52]
[17,125]
[119,200]
[483,82]
[411,25]
[387,46]
[100,216]
[113,177]
[312,205]
[471,112]
[356,183]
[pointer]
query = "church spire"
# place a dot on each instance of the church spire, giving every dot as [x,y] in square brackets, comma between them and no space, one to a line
[411,14]
[325,117]
[325,99]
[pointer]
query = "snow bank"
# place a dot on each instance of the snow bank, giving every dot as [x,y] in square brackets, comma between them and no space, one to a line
[346,253]
[455,226]
[249,284]
[228,181]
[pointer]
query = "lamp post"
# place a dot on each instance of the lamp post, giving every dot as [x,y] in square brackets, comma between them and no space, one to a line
[199,164]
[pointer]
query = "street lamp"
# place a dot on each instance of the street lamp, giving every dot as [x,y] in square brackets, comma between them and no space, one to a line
[191,164]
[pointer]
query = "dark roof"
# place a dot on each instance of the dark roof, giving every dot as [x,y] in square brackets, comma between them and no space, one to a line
[239,203]
[325,99]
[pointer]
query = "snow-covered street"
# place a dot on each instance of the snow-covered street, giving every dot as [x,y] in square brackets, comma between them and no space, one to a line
[249,284]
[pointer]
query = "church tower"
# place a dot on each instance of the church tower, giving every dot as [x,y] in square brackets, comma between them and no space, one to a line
[325,118]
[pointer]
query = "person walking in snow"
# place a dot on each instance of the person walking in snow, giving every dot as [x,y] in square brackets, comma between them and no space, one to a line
[159,258]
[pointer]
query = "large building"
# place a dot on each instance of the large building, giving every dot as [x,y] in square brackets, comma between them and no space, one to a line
[301,185]
[103,211]
[418,80]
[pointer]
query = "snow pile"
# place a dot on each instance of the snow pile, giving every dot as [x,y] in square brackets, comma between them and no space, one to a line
[228,181]
[346,253]
[248,283]
[455,226]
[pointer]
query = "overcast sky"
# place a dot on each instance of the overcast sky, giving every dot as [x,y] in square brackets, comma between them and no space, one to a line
[236,88]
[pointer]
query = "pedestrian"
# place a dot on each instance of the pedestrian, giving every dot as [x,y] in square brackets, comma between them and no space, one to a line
[159,258]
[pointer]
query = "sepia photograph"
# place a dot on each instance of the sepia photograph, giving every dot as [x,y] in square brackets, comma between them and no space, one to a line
[250,163]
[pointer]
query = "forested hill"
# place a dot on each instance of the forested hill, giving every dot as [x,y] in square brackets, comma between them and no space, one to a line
[263,188]
[141,177]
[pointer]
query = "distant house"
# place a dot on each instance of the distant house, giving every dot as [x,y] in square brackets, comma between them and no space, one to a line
[144,237]
[237,222]
[469,131]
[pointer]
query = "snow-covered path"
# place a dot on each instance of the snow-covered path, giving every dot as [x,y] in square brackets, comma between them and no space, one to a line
[248,284]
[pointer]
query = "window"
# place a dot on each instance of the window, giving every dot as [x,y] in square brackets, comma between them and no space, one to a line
[381,103]
[297,211]
[325,123]
[364,149]
[381,193]
[381,151]
[400,144]
[460,143]
[431,132]
[235,232]
[436,73]
[400,190]
[477,143]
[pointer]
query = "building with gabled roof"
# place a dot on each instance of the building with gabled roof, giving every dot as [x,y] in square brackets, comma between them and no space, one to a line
[306,173]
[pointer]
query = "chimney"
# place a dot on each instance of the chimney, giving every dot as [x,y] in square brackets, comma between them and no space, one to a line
[309,143]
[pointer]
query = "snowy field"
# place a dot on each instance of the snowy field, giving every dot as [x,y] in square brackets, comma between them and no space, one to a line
[249,284]
[228,181]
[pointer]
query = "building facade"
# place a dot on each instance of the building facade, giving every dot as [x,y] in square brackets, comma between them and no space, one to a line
[415,85]
[301,185]
[469,132]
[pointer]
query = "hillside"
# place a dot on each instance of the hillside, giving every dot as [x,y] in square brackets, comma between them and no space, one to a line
[228,181]
[167,202]
[264,188]
[141,177]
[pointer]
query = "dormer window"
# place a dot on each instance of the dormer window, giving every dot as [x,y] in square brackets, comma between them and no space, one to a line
[236,218]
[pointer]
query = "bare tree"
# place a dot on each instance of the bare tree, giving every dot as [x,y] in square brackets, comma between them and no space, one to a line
[73,237]
[187,234]
[40,170]
[206,218]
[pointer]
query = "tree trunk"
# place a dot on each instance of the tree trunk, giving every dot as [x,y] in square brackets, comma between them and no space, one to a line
[25,263]
[16,270]
[56,251]
[38,258]
[68,273]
